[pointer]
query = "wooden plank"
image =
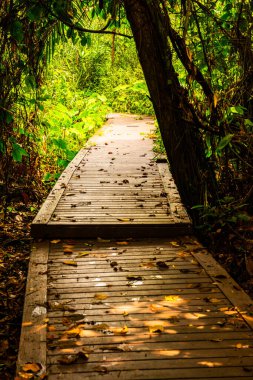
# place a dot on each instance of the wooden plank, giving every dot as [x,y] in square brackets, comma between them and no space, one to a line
[224,281]
[51,202]
[157,374]
[32,347]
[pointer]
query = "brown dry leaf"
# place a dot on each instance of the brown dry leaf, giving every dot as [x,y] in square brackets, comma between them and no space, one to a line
[56,241]
[68,251]
[122,243]
[125,314]
[134,278]
[51,328]
[216,340]
[125,219]
[70,359]
[157,329]
[162,265]
[101,296]
[149,264]
[31,367]
[70,262]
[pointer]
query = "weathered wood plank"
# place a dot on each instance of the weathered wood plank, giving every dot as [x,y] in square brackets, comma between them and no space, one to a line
[32,347]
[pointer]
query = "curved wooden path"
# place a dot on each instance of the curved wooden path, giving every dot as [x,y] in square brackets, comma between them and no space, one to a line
[117,289]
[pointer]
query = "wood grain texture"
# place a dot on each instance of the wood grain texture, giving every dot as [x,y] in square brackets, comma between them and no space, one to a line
[135,319]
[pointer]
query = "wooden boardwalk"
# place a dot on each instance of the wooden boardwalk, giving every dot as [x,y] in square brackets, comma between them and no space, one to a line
[114,188]
[128,308]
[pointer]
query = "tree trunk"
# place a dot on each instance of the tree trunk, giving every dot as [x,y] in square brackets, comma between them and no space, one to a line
[182,140]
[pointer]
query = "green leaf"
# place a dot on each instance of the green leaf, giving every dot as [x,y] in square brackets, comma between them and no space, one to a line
[224,142]
[18,152]
[237,110]
[16,29]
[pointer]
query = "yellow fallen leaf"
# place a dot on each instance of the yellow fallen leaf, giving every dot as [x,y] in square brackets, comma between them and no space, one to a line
[70,262]
[31,367]
[73,332]
[55,241]
[124,219]
[125,314]
[101,296]
[81,254]
[158,329]
[121,331]
[171,298]
[239,346]
[24,375]
[122,242]
[174,243]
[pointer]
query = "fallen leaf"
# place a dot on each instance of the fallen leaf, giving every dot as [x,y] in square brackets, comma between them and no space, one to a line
[101,327]
[217,340]
[68,251]
[73,332]
[31,367]
[134,278]
[239,345]
[55,241]
[157,329]
[120,331]
[149,264]
[172,298]
[100,296]
[81,254]
[125,219]
[122,243]
[162,265]
[70,262]
[70,359]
